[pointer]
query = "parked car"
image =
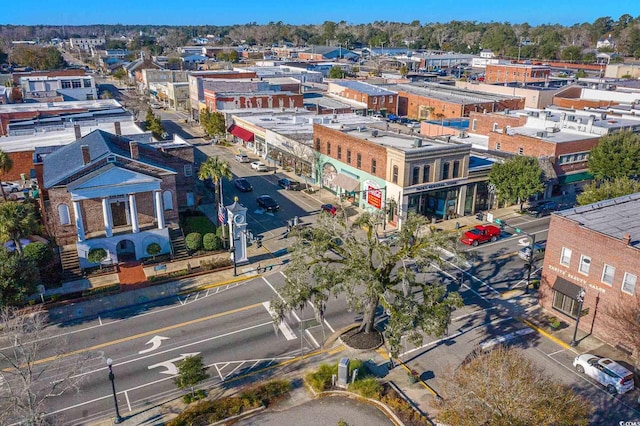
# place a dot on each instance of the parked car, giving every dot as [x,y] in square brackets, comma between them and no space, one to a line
[258,166]
[267,203]
[538,251]
[243,158]
[613,376]
[412,124]
[329,208]
[543,209]
[243,185]
[480,234]
[289,184]
[10,187]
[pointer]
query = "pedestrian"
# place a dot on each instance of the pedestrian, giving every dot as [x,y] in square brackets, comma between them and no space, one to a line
[259,268]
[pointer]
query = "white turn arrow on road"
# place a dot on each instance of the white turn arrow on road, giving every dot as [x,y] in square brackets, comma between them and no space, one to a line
[155,344]
[523,242]
[170,364]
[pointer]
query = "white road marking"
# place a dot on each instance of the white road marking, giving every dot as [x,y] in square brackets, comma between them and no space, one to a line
[505,338]
[155,343]
[479,311]
[287,332]
[126,395]
[170,364]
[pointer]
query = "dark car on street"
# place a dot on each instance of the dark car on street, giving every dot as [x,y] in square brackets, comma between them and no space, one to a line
[543,209]
[267,203]
[289,184]
[243,185]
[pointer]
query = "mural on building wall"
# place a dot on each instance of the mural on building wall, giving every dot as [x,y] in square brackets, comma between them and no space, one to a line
[329,173]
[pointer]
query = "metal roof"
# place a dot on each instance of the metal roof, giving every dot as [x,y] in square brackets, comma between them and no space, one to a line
[365,88]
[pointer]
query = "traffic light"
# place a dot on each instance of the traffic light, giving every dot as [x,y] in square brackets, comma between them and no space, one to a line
[498,221]
[518,230]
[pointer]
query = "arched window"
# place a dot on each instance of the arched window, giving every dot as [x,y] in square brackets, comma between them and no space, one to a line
[63,213]
[167,200]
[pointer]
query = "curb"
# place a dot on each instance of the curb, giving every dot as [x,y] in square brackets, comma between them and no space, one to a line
[546,334]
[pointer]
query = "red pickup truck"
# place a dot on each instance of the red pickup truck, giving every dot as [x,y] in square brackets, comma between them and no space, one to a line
[480,234]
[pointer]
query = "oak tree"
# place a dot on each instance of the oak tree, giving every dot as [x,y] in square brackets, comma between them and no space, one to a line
[517,179]
[606,190]
[615,156]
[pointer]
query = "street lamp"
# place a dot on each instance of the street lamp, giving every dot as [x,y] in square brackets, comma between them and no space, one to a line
[112,378]
[530,261]
[580,299]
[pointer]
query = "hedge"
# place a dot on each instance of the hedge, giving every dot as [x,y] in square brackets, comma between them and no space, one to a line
[194,241]
[211,242]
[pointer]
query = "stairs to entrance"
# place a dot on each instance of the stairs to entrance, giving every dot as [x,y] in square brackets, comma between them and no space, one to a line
[70,264]
[178,245]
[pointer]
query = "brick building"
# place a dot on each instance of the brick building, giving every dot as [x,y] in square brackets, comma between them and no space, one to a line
[197,79]
[516,73]
[371,97]
[106,191]
[216,101]
[435,101]
[595,249]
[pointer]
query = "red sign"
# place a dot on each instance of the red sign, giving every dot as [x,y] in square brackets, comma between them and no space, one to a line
[374,197]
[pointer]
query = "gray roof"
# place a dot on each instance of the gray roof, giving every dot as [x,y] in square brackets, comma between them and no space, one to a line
[361,87]
[615,218]
[451,94]
[67,161]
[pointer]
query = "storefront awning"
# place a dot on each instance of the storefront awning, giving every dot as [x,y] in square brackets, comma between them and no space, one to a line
[576,177]
[241,133]
[567,288]
[346,182]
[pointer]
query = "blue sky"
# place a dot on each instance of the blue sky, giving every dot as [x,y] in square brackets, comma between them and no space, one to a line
[226,12]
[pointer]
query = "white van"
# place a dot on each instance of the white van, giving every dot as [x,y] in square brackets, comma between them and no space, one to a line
[607,372]
[242,158]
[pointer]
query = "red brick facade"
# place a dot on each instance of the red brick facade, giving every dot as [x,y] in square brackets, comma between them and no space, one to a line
[249,100]
[483,124]
[374,102]
[425,108]
[22,163]
[602,249]
[328,141]
[518,73]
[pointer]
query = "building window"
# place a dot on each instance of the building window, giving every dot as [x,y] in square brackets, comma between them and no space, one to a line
[520,151]
[191,199]
[445,171]
[629,283]
[89,97]
[63,213]
[349,156]
[328,148]
[317,147]
[339,153]
[373,166]
[358,160]
[495,127]
[111,159]
[585,264]
[375,100]
[76,84]
[390,99]
[66,85]
[456,169]
[608,273]
[87,83]
[497,146]
[188,170]
[394,178]
[565,256]
[426,173]
[474,124]
[565,304]
[167,200]
[415,176]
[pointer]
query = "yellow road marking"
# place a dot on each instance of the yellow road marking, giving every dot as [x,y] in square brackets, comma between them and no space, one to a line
[148,333]
[547,335]
[508,293]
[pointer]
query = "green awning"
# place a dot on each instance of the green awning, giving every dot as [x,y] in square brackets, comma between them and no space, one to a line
[576,177]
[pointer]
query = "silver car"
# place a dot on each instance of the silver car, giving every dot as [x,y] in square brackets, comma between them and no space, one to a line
[538,251]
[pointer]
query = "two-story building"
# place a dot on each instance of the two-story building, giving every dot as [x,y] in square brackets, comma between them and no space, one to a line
[516,73]
[593,254]
[371,97]
[58,88]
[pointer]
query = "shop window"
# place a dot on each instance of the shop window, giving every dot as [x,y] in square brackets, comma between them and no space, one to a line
[426,173]
[456,169]
[394,177]
[445,171]
[629,283]
[565,304]
[608,272]
[358,160]
[339,153]
[415,176]
[585,264]
[374,166]
[349,156]
[63,213]
[565,256]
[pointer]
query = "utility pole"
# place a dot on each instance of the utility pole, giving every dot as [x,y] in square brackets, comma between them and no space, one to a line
[532,237]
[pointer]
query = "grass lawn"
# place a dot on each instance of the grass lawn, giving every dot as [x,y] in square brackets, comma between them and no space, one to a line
[200,224]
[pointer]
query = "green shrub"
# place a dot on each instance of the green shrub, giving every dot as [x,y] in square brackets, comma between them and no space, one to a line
[153,249]
[209,265]
[320,380]
[194,241]
[368,388]
[199,394]
[363,371]
[211,242]
[39,252]
[96,255]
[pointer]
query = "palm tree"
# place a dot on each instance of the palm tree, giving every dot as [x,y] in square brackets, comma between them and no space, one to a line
[215,169]
[6,164]
[17,220]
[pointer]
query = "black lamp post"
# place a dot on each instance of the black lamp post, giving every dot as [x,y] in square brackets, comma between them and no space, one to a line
[232,250]
[530,261]
[580,299]
[112,378]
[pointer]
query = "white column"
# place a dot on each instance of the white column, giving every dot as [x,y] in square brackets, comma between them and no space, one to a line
[159,209]
[79,225]
[133,212]
[106,214]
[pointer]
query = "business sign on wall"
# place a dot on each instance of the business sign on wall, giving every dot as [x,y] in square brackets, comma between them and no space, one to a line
[374,194]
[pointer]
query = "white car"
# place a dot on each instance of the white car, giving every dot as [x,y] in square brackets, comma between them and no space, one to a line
[613,376]
[258,166]
[10,187]
[242,158]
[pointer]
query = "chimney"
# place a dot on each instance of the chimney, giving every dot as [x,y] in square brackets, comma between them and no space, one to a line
[118,130]
[86,157]
[76,129]
[133,149]
[627,239]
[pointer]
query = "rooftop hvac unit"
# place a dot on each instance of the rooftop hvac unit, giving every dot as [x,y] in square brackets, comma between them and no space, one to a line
[541,134]
[374,133]
[417,143]
[463,134]
[603,116]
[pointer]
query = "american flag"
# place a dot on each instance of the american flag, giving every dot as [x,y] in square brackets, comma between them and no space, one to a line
[222,216]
